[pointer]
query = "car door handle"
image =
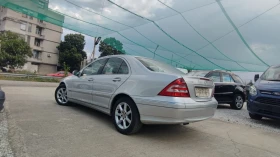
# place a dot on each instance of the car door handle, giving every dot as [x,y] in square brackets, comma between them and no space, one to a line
[90,79]
[117,79]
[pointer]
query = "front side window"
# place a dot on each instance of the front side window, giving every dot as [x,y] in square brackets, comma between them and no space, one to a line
[115,66]
[94,68]
[227,78]
[272,74]
[215,76]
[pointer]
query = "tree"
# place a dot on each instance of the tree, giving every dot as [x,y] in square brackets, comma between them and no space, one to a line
[14,51]
[71,51]
[111,46]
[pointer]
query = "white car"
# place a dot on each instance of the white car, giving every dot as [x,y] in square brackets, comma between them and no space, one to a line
[136,90]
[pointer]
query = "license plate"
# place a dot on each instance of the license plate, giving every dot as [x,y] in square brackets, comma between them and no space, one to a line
[202,92]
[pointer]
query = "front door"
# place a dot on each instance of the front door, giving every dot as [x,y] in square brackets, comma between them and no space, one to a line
[81,88]
[113,75]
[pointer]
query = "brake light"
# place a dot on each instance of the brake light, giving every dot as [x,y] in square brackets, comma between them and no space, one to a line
[177,88]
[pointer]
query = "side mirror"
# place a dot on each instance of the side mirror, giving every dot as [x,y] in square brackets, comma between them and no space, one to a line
[75,72]
[257,76]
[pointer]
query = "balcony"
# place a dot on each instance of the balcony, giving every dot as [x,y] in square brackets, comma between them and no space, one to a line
[41,23]
[35,60]
[39,48]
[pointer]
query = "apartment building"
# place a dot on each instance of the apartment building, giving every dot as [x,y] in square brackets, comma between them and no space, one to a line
[42,37]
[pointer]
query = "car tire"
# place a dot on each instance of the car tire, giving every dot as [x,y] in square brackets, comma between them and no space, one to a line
[61,95]
[126,117]
[255,116]
[238,102]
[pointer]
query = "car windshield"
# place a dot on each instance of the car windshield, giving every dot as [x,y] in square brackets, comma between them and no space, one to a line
[272,74]
[198,73]
[157,66]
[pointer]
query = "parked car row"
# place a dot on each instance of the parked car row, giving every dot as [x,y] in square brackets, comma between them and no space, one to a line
[136,90]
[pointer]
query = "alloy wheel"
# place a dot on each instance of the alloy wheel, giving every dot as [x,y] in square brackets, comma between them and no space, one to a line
[62,95]
[123,115]
[239,101]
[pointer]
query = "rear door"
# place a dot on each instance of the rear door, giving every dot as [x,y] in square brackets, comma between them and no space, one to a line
[227,88]
[114,74]
[216,77]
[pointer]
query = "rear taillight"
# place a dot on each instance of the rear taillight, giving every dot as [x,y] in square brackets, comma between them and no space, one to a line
[177,88]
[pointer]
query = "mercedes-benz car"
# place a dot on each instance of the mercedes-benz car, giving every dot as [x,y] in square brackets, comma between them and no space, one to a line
[136,90]
[264,95]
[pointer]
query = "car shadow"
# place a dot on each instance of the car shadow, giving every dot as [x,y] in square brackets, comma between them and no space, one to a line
[224,106]
[151,131]
[95,114]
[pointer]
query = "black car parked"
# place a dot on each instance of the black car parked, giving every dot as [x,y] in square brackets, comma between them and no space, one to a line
[229,88]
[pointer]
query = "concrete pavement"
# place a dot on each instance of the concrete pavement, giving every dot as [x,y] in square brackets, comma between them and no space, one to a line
[38,127]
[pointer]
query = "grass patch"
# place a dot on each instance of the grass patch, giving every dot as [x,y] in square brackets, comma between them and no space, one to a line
[32,79]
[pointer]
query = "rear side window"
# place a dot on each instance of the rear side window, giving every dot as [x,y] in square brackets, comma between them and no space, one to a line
[157,66]
[115,66]
[215,76]
[227,78]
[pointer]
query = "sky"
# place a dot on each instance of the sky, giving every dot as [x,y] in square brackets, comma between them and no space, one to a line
[236,35]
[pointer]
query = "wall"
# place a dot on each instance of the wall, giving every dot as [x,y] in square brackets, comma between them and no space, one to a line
[30,67]
[46,69]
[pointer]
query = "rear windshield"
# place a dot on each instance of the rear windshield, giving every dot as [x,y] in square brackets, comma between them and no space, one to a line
[157,66]
[272,74]
[198,73]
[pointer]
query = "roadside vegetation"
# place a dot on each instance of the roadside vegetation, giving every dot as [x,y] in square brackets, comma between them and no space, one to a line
[29,78]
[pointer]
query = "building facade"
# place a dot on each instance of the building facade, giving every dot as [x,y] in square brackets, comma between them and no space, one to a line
[42,37]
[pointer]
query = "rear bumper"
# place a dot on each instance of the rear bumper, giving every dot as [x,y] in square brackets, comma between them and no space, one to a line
[265,110]
[155,113]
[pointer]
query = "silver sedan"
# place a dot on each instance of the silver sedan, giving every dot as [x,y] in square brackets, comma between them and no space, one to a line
[136,90]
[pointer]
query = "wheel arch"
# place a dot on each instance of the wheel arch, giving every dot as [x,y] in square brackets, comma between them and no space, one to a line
[117,97]
[240,90]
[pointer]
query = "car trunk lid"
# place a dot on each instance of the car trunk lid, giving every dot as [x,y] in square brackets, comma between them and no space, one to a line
[200,88]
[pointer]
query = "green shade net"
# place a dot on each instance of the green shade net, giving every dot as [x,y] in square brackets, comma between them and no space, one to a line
[235,35]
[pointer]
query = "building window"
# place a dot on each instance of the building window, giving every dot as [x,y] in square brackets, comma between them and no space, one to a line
[24,15]
[40,21]
[23,26]
[1,8]
[37,42]
[29,27]
[36,54]
[39,30]
[30,17]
